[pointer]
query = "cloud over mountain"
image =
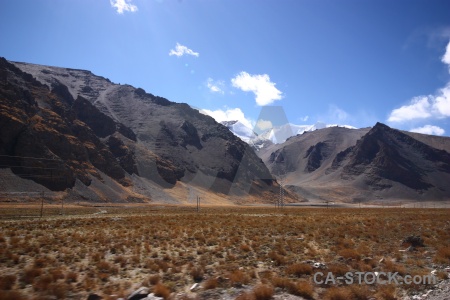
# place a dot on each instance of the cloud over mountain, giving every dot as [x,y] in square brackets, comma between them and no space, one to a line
[228,114]
[423,107]
[429,129]
[265,91]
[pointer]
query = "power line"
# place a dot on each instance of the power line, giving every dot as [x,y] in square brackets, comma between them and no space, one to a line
[9,166]
[38,158]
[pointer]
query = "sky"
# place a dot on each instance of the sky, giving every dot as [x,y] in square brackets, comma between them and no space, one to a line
[347,62]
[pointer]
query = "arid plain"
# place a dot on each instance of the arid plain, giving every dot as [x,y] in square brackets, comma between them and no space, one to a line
[231,252]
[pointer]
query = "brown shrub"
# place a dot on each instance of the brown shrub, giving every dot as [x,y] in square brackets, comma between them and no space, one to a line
[360,292]
[281,282]
[277,258]
[210,283]
[40,262]
[56,274]
[300,269]
[263,292]
[160,290]
[338,293]
[349,254]
[443,255]
[387,292]
[197,274]
[11,295]
[238,278]
[71,277]
[245,247]
[338,269]
[301,288]
[42,283]
[29,275]
[58,290]
[154,279]
[7,282]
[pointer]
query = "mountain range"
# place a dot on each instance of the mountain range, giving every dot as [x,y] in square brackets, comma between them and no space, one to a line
[368,164]
[70,131]
[78,136]
[276,134]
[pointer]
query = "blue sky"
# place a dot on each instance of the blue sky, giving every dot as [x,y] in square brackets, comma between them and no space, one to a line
[339,62]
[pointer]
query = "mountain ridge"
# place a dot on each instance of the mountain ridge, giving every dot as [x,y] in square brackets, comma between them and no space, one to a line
[152,147]
[363,165]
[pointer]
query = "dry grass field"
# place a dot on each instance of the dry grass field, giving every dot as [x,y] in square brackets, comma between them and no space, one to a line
[232,252]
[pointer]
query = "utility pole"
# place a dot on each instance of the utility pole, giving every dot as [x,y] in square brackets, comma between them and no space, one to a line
[281,198]
[42,203]
[198,203]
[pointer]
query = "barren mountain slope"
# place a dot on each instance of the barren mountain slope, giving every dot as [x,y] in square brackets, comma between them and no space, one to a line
[152,147]
[363,165]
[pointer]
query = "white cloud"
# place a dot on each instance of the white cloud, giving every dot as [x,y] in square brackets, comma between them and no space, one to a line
[263,125]
[446,57]
[215,86]
[123,5]
[264,90]
[442,101]
[419,108]
[424,107]
[228,114]
[181,50]
[429,129]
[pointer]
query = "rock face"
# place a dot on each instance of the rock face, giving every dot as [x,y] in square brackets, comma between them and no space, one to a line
[92,130]
[387,156]
[38,123]
[363,164]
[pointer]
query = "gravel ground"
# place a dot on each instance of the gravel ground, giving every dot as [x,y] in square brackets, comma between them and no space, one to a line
[440,292]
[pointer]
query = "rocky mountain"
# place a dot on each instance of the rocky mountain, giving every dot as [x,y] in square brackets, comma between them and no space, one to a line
[274,135]
[341,164]
[240,130]
[72,131]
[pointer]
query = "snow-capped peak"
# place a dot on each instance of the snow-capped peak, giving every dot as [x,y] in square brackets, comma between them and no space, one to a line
[240,130]
[276,135]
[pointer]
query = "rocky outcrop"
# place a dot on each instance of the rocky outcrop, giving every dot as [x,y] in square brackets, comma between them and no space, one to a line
[52,139]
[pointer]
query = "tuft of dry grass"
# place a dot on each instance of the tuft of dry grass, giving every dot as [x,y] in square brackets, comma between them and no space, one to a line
[238,278]
[197,274]
[7,282]
[338,293]
[12,295]
[263,292]
[161,290]
[154,279]
[443,255]
[210,283]
[299,269]
[303,289]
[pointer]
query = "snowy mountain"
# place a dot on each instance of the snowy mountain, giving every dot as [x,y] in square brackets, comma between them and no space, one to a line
[275,135]
[240,130]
